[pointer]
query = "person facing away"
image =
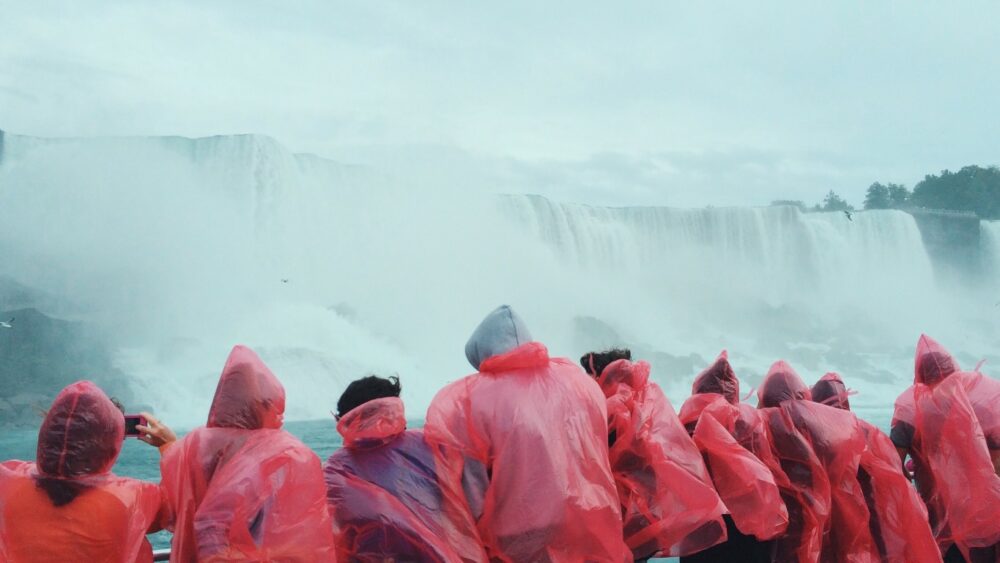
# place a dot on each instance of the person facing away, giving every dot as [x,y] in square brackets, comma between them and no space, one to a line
[382,486]
[948,421]
[806,491]
[733,440]
[240,488]
[898,521]
[67,505]
[539,427]
[837,438]
[669,504]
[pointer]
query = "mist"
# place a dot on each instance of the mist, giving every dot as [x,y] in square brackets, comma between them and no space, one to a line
[407,168]
[175,249]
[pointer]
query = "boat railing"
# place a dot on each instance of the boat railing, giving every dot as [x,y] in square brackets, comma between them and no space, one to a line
[161,555]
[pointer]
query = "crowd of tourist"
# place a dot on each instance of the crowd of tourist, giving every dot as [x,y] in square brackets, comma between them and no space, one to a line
[531,458]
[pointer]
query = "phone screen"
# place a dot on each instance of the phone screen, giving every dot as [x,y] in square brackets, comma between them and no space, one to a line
[131,421]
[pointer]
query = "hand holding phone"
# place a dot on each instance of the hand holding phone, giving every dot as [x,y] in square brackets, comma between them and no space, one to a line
[154,432]
[132,422]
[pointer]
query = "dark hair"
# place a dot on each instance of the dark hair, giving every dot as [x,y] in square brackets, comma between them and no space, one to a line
[933,367]
[117,403]
[60,491]
[831,392]
[595,362]
[360,391]
[77,438]
[781,386]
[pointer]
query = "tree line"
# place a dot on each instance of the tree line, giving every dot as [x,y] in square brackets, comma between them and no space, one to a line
[973,188]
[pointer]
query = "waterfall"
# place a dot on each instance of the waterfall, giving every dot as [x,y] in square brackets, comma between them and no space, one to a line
[989,232]
[176,249]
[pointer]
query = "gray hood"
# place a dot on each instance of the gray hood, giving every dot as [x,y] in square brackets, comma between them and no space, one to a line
[500,332]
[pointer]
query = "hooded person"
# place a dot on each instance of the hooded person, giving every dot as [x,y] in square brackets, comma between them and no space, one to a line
[898,520]
[716,389]
[730,436]
[669,505]
[806,492]
[382,486]
[68,505]
[947,422]
[240,488]
[539,427]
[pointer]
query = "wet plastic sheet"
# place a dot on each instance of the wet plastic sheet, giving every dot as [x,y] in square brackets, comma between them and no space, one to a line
[733,440]
[899,517]
[670,505]
[955,472]
[241,489]
[539,426]
[839,443]
[831,391]
[109,516]
[383,492]
[805,487]
[718,378]
[954,417]
[745,484]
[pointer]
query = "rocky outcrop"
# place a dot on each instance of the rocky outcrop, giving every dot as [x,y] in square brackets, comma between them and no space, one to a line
[39,355]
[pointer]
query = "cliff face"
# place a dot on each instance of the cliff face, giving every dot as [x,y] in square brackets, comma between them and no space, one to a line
[40,355]
[952,240]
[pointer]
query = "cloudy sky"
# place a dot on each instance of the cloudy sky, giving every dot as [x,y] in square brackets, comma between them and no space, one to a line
[676,103]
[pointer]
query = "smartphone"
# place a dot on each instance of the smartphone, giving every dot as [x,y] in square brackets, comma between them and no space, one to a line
[131,421]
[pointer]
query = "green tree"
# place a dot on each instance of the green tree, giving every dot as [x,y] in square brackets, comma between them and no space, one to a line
[877,197]
[887,196]
[899,196]
[833,202]
[973,188]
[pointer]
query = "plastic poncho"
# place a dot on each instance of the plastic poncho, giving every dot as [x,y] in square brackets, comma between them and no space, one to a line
[953,416]
[831,391]
[806,492]
[102,517]
[898,517]
[240,488]
[743,421]
[383,492]
[669,504]
[539,426]
[731,437]
[718,378]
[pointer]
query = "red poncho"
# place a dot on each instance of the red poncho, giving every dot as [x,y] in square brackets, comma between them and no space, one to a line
[383,492]
[718,378]
[731,437]
[240,488]
[898,517]
[670,506]
[539,426]
[807,491]
[100,516]
[954,420]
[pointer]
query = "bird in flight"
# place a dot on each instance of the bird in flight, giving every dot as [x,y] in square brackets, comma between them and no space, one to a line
[7,324]
[284,280]
[848,215]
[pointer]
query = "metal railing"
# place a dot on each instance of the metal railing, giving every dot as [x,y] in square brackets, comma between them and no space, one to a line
[161,555]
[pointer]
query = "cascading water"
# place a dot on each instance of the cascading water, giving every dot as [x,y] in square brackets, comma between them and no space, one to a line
[176,249]
[989,232]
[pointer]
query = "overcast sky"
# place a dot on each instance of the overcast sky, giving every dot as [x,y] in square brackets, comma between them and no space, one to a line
[678,103]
